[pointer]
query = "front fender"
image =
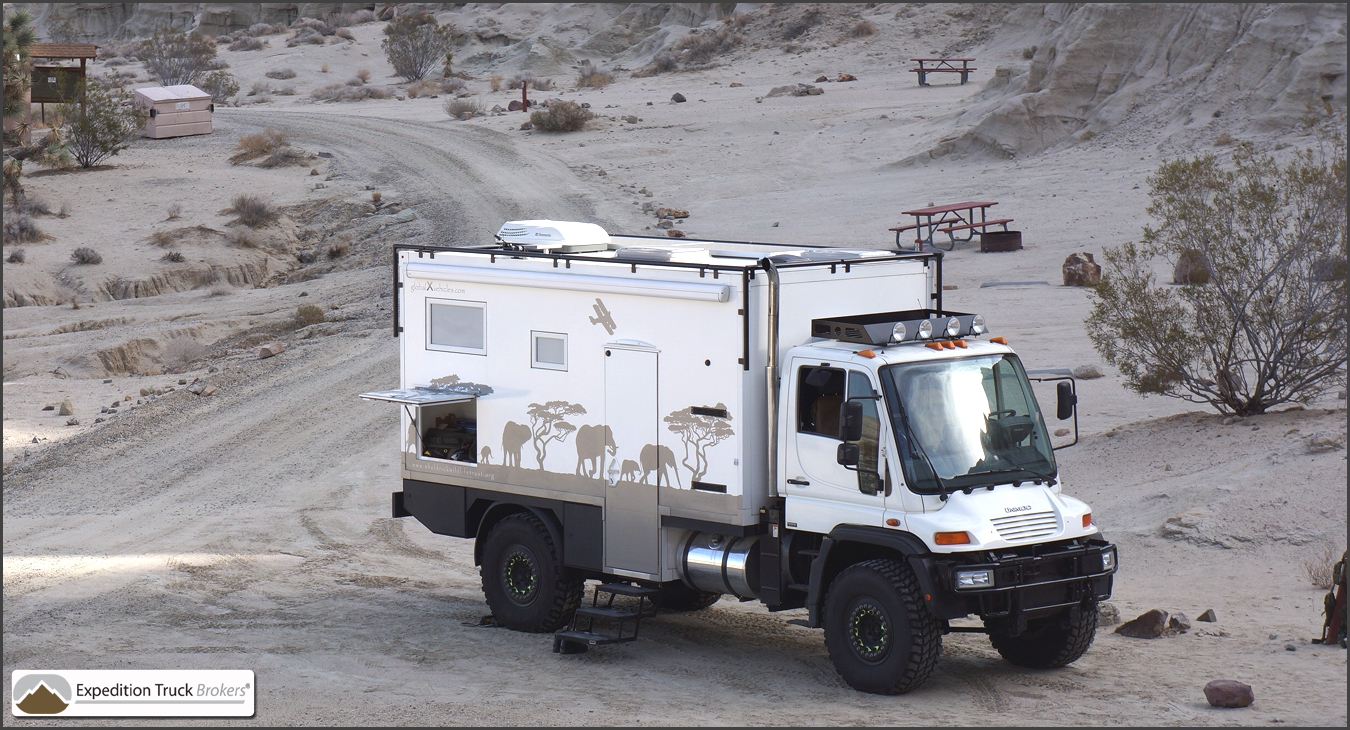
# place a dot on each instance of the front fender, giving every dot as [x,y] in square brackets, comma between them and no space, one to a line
[850,544]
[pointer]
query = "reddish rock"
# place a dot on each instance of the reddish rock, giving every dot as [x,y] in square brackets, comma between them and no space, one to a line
[821,79]
[1149,625]
[1228,693]
[847,77]
[675,233]
[271,349]
[1080,270]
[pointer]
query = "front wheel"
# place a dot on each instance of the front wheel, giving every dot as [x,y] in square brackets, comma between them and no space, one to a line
[1050,642]
[880,636]
[524,580]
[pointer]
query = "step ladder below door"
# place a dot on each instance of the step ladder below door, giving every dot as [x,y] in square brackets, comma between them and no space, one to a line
[576,640]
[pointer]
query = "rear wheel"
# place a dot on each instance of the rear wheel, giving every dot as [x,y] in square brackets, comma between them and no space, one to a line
[678,597]
[880,636]
[524,580]
[1050,642]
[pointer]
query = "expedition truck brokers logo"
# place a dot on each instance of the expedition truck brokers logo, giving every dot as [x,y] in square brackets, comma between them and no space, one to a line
[133,693]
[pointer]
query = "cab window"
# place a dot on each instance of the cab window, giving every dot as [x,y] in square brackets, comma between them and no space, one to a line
[820,392]
[869,462]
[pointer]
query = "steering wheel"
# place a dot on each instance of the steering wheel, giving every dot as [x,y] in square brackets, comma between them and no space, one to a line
[1000,414]
[1007,433]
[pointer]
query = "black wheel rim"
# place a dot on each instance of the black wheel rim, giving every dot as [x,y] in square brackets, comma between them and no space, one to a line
[520,575]
[869,631]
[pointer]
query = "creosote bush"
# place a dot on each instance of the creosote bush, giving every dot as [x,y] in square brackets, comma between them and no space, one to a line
[588,76]
[1269,325]
[307,314]
[1318,567]
[221,85]
[173,257]
[863,28]
[101,124]
[17,256]
[253,211]
[174,57]
[85,255]
[415,43]
[21,228]
[561,116]
[343,92]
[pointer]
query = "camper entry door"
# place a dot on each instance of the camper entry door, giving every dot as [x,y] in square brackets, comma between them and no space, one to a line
[632,525]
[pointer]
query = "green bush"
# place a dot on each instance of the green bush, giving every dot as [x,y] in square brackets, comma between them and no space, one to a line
[221,85]
[561,116]
[307,314]
[175,57]
[100,123]
[414,43]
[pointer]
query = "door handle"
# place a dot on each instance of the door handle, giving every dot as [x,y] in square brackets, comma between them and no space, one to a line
[799,482]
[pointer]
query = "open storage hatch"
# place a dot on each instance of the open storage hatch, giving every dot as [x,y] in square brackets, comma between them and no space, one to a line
[445,418]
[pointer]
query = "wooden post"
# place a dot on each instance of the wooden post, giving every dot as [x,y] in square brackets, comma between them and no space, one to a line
[524,102]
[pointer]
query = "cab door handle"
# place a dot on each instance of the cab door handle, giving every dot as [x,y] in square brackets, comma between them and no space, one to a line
[799,482]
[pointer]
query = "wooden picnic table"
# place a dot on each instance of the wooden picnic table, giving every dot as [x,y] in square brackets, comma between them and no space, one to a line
[942,65]
[948,219]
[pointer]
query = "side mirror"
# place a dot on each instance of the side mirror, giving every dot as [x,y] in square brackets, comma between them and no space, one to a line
[851,421]
[1067,400]
[848,454]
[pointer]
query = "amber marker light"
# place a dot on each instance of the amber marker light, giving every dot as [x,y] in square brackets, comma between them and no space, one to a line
[959,343]
[933,345]
[1087,520]
[867,354]
[892,522]
[999,340]
[951,538]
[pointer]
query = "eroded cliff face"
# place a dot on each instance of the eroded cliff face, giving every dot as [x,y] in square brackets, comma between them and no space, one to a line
[1160,70]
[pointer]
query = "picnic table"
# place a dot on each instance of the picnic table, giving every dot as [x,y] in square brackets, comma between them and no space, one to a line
[942,65]
[949,219]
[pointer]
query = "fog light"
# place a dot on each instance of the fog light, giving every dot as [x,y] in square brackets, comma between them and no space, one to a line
[977,325]
[898,332]
[1109,560]
[953,326]
[974,579]
[925,329]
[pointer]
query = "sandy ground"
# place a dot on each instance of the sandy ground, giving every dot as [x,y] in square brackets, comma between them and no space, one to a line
[248,529]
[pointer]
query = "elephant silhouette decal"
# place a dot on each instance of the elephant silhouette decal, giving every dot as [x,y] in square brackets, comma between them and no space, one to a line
[486,455]
[630,471]
[593,444]
[661,460]
[514,437]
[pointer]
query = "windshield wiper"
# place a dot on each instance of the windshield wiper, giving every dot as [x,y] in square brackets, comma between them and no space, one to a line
[914,441]
[1049,480]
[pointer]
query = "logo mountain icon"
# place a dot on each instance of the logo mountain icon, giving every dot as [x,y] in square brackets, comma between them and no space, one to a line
[42,701]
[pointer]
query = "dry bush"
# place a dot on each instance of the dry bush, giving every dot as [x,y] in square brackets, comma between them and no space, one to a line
[805,22]
[173,257]
[364,75]
[243,238]
[696,50]
[20,228]
[1224,139]
[16,256]
[588,76]
[663,62]
[1029,52]
[457,108]
[261,99]
[248,44]
[85,255]
[260,144]
[323,68]
[221,85]
[285,91]
[307,314]
[175,211]
[280,74]
[356,81]
[375,197]
[424,88]
[64,212]
[32,204]
[344,34]
[535,83]
[863,29]
[253,211]
[221,288]
[339,249]
[495,82]
[342,92]
[174,57]
[414,43]
[1318,567]
[561,116]
[260,88]
[182,351]
[163,239]
[258,29]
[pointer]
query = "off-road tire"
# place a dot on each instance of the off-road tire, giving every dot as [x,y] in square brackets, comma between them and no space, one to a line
[1050,642]
[678,597]
[524,580]
[880,636]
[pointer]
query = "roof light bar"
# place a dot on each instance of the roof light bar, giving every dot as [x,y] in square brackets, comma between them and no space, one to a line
[892,328]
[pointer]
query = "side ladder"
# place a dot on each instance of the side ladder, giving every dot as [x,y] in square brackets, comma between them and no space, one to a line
[575,640]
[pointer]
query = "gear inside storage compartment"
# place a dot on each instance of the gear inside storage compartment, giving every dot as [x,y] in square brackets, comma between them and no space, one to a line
[449,431]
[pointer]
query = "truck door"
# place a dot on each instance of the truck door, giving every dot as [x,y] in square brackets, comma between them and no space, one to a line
[821,493]
[632,525]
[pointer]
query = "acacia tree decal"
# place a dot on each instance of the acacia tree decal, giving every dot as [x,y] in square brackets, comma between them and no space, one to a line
[699,433]
[547,424]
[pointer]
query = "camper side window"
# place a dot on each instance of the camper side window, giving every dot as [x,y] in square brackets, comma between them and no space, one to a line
[548,350]
[456,326]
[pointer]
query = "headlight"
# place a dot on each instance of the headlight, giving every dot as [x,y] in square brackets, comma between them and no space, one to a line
[974,579]
[1109,560]
[925,329]
[898,332]
[953,326]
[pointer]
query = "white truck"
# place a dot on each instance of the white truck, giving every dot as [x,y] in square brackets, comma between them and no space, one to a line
[686,419]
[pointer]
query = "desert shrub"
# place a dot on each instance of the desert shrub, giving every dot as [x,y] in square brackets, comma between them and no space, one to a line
[259,88]
[174,57]
[364,75]
[183,350]
[243,238]
[248,44]
[364,15]
[264,98]
[1223,139]
[31,204]
[424,87]
[663,62]
[163,239]
[695,50]
[21,228]
[259,144]
[258,29]
[375,197]
[1265,329]
[64,211]
[116,61]
[588,76]
[453,85]
[1029,52]
[307,314]
[535,83]
[253,211]
[495,82]
[102,123]
[323,68]
[413,44]
[863,29]
[344,34]
[306,35]
[342,92]
[221,288]
[173,257]
[456,108]
[221,85]
[561,116]
[339,249]
[1318,567]
[85,255]
[285,91]
[17,256]
[804,22]
[281,73]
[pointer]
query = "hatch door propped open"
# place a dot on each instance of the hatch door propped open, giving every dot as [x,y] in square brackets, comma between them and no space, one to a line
[444,418]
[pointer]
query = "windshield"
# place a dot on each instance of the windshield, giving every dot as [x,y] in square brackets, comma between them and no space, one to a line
[968,422]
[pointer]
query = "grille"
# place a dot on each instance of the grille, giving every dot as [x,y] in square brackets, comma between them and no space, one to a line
[1026,525]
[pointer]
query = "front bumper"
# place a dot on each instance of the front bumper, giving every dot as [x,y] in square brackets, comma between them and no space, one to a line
[1029,581]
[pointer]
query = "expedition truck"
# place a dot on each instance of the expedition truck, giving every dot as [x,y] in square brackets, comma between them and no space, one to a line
[687,419]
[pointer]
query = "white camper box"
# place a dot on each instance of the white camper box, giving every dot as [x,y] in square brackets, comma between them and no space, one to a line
[623,377]
[175,111]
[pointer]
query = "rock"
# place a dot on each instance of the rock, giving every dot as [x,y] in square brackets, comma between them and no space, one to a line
[671,213]
[666,224]
[1149,625]
[1287,647]
[735,85]
[214,369]
[304,293]
[35,439]
[313,171]
[145,391]
[675,233]
[1324,441]
[515,106]
[775,224]
[821,79]
[1230,420]
[1062,432]
[104,409]
[1191,268]
[271,349]
[405,215]
[66,409]
[1208,616]
[647,207]
[49,408]
[678,98]
[497,108]
[115,404]
[73,421]
[1228,693]
[1108,615]
[183,381]
[1179,622]
[949,287]
[813,91]
[197,388]
[1087,372]
[126,398]
[847,77]
[99,420]
[631,119]
[1080,270]
[585,105]
[107,380]
[526,127]
[207,391]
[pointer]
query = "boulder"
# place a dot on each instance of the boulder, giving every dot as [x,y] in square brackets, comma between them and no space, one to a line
[1108,615]
[405,215]
[1080,270]
[271,349]
[1087,372]
[526,127]
[678,98]
[671,213]
[67,408]
[1179,622]
[1208,616]
[1324,441]
[666,224]
[675,233]
[1149,625]
[1228,693]
[795,90]
[735,85]
[847,77]
[1191,268]
[631,119]
[207,391]
[821,79]
[515,106]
